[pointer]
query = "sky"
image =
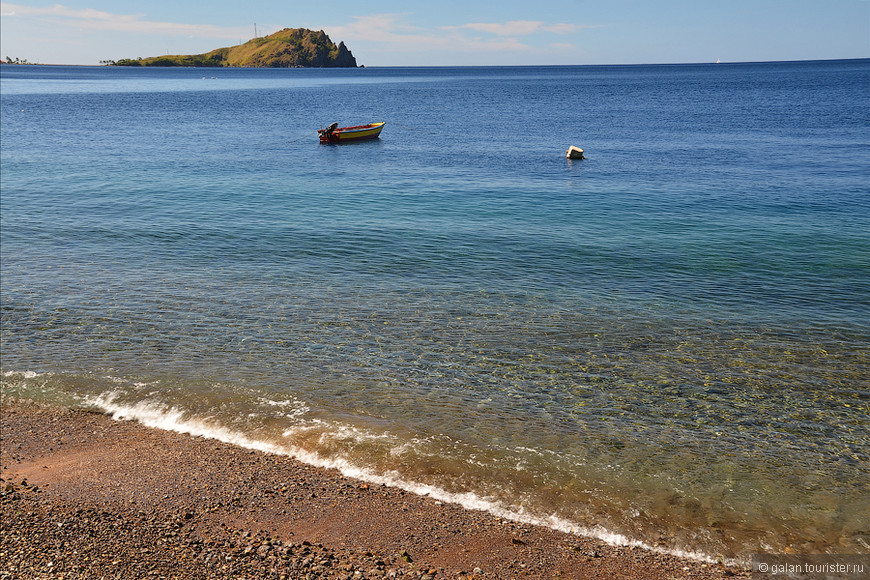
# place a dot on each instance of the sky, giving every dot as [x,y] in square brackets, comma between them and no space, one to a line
[448,32]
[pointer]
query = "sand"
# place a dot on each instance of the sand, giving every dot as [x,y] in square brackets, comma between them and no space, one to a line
[85,496]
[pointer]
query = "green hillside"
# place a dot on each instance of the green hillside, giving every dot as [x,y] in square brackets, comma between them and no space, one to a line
[288,48]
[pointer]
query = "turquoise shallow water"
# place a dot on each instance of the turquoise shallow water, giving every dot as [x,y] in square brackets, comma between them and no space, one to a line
[666,343]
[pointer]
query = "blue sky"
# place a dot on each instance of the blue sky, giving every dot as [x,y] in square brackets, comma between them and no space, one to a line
[449,32]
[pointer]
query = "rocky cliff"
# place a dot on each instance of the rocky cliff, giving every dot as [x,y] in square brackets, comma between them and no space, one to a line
[288,48]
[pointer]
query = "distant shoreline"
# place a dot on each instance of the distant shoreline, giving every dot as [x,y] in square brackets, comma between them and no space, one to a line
[663,64]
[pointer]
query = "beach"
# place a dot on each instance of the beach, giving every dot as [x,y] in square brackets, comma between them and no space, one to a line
[85,496]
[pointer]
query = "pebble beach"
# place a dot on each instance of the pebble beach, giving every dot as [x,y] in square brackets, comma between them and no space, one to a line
[86,496]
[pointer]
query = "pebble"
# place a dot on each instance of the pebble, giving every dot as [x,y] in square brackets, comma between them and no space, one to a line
[39,540]
[202,527]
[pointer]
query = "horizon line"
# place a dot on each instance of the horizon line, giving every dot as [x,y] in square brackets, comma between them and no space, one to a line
[688,63]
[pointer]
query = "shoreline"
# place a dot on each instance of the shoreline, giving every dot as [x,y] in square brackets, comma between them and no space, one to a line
[84,495]
[599,65]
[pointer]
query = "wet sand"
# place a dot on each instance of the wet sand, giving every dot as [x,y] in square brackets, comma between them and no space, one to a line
[84,496]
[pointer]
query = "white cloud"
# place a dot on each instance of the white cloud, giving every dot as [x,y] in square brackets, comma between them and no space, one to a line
[99,20]
[391,32]
[382,28]
[564,28]
[516,27]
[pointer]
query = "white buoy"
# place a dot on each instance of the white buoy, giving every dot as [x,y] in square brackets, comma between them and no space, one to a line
[574,153]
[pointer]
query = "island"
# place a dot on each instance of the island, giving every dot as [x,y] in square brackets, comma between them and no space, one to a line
[288,48]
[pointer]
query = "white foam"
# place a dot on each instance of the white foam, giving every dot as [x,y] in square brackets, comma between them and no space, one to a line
[23,374]
[173,419]
[294,407]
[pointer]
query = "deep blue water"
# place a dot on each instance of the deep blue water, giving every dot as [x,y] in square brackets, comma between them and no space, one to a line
[666,342]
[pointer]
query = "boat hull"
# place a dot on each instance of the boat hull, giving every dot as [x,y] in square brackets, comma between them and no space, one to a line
[351,134]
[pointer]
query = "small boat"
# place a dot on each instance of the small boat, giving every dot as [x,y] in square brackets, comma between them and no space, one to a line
[336,134]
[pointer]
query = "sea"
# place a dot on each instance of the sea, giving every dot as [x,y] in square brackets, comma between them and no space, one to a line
[665,344]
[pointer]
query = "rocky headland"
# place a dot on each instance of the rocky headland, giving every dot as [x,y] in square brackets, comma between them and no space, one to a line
[288,48]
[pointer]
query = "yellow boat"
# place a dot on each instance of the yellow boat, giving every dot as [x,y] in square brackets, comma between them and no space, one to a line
[336,134]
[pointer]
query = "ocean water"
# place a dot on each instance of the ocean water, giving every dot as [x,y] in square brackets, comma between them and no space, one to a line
[665,344]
